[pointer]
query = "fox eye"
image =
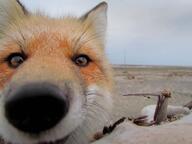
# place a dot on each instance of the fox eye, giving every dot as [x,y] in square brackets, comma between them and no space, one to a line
[81,60]
[15,59]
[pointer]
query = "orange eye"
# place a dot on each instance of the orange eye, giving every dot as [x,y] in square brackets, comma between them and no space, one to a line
[15,59]
[81,60]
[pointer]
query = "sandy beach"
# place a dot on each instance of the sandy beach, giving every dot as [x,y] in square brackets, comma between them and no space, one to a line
[151,79]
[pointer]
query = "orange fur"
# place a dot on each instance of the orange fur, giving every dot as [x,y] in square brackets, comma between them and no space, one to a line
[5,71]
[92,74]
[50,46]
[5,74]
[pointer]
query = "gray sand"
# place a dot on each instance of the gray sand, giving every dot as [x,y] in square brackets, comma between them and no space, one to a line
[135,79]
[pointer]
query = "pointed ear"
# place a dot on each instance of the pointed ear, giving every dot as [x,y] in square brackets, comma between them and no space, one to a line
[97,17]
[22,7]
[10,12]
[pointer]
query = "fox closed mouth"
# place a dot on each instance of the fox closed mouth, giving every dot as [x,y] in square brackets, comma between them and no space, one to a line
[61,141]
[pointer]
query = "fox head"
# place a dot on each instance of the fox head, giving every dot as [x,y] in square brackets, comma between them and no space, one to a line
[55,81]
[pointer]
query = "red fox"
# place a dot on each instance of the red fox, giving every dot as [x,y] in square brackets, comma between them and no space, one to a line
[55,81]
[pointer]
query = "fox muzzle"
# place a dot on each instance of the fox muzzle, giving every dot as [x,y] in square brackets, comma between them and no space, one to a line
[36,107]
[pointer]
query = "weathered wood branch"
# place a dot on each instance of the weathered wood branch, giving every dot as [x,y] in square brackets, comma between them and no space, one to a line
[161,107]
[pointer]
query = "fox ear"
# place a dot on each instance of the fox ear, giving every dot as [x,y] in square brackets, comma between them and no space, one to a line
[22,7]
[97,17]
[10,12]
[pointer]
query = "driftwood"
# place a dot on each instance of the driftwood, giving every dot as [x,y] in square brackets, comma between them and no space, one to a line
[160,110]
[163,111]
[178,132]
[124,131]
[189,105]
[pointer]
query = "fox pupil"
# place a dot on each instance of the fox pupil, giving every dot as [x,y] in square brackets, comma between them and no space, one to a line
[82,60]
[15,59]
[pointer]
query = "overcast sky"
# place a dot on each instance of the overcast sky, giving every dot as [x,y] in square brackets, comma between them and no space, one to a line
[144,32]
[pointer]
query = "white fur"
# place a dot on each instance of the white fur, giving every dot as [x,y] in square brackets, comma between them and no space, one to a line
[97,115]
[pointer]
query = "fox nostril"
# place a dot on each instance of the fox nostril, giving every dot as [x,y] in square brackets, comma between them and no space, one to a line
[35,109]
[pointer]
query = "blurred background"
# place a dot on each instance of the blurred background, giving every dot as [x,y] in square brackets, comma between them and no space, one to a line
[150,32]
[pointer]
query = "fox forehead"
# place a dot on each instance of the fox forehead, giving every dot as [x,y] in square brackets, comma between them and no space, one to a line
[57,39]
[69,35]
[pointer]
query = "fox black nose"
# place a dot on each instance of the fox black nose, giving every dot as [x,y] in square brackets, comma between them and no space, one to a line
[36,107]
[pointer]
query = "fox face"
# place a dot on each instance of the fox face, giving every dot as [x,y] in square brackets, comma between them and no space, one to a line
[55,81]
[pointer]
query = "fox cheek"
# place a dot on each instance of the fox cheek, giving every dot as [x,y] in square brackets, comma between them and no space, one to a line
[5,75]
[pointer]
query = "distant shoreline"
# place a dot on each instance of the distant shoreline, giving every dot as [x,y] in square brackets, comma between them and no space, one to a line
[150,66]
